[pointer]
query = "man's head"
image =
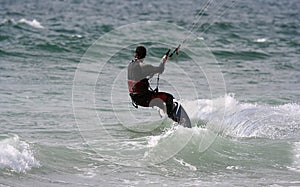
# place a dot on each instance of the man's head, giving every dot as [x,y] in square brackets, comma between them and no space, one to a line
[140,52]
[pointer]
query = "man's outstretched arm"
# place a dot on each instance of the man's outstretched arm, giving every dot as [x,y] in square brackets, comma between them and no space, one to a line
[149,70]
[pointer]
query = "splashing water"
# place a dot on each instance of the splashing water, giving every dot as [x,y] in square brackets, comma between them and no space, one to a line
[16,155]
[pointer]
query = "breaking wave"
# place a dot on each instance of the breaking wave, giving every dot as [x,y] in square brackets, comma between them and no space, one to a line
[34,23]
[16,155]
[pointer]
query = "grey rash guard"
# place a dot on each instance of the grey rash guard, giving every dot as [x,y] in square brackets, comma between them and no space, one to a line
[137,70]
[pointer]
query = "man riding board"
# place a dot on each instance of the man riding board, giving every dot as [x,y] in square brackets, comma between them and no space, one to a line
[140,91]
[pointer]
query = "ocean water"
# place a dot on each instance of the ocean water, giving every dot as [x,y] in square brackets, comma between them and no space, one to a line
[66,118]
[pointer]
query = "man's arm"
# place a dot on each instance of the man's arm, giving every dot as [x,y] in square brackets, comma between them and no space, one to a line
[149,70]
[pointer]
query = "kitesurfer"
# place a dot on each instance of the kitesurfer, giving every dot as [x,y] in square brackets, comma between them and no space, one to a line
[140,91]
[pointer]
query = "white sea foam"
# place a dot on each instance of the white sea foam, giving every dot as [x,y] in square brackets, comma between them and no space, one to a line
[296,163]
[261,40]
[183,163]
[34,23]
[77,36]
[9,21]
[229,116]
[154,140]
[16,155]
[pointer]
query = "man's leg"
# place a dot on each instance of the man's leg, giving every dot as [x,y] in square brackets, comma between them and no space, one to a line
[164,98]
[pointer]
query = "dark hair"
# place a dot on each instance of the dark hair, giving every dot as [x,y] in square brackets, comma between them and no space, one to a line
[141,52]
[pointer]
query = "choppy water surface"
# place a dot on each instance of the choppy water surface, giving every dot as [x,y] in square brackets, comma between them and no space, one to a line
[248,135]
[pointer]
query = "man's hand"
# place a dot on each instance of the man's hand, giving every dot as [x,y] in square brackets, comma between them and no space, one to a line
[164,58]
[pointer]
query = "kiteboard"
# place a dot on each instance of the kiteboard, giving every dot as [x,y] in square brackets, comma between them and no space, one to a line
[180,115]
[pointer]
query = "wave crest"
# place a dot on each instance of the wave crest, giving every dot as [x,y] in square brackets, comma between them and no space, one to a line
[34,23]
[16,155]
[232,118]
